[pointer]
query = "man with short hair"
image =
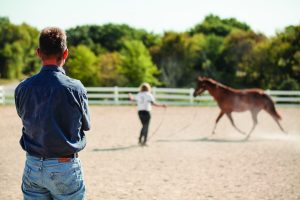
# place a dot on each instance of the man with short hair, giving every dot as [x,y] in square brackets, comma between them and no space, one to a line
[54,113]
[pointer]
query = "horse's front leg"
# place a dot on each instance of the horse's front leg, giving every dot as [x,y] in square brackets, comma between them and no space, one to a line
[233,124]
[217,120]
[254,118]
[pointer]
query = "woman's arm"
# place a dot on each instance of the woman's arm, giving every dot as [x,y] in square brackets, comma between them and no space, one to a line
[159,105]
[131,97]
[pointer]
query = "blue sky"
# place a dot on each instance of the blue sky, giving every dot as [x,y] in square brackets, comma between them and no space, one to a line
[266,16]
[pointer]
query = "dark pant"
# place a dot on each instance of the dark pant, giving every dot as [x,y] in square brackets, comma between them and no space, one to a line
[145,119]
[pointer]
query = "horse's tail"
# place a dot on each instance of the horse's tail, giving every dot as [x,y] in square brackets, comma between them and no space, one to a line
[270,107]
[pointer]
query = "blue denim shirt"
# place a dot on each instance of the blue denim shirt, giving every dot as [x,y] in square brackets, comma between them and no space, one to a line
[54,112]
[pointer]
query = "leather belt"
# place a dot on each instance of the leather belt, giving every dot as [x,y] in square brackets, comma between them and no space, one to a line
[75,155]
[66,158]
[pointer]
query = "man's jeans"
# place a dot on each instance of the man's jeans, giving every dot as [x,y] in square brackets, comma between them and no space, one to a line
[52,179]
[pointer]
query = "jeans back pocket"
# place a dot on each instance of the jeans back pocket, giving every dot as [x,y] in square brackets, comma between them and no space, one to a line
[67,180]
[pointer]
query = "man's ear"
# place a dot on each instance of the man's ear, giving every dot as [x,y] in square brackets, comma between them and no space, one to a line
[200,78]
[38,52]
[65,54]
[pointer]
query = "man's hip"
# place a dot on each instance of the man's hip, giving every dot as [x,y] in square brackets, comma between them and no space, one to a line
[53,178]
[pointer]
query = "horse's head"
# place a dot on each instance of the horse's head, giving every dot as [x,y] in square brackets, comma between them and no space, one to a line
[200,87]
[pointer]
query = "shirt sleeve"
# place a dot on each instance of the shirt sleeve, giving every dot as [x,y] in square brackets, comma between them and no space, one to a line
[136,97]
[17,101]
[151,98]
[86,124]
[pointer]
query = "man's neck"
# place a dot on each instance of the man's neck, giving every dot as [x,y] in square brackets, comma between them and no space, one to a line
[52,62]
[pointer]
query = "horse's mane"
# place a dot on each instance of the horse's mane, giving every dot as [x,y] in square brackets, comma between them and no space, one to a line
[214,82]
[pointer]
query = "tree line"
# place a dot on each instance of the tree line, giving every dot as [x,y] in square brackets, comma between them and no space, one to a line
[119,55]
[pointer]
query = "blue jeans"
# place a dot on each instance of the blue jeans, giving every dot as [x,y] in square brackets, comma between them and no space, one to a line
[52,179]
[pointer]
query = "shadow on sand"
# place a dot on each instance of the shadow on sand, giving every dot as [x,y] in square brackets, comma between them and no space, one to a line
[121,148]
[207,139]
[213,140]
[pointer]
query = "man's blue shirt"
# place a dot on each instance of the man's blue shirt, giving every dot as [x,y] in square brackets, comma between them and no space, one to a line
[54,113]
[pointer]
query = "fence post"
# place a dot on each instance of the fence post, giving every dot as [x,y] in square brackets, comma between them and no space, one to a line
[154,91]
[116,95]
[1,95]
[191,96]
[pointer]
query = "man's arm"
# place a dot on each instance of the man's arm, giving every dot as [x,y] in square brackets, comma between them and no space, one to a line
[17,101]
[86,124]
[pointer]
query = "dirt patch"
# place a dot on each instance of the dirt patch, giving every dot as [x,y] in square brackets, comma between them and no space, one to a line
[182,161]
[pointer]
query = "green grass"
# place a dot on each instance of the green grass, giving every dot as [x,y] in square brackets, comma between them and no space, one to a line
[8,81]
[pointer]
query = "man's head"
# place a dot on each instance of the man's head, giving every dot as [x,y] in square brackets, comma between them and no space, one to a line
[53,46]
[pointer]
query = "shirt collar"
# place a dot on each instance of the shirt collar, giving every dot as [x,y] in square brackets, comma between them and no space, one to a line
[53,68]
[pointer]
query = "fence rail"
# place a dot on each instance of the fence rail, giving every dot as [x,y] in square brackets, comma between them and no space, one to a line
[2,95]
[170,96]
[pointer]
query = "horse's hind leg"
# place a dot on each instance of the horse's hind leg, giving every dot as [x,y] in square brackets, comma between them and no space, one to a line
[233,124]
[270,108]
[254,114]
[276,120]
[217,120]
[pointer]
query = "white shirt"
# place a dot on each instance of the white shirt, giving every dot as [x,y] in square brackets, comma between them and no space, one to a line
[144,100]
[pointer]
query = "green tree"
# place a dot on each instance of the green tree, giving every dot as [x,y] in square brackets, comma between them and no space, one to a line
[117,54]
[12,66]
[29,43]
[110,70]
[211,51]
[136,64]
[261,66]
[213,24]
[17,49]
[194,57]
[238,57]
[181,57]
[108,37]
[83,65]
[284,55]
[170,58]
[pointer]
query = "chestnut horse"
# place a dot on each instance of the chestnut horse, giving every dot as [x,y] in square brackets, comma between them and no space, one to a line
[233,100]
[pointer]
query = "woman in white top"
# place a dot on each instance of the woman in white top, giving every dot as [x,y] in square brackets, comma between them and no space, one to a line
[144,100]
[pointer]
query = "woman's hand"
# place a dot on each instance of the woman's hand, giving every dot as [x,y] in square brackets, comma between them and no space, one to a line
[131,97]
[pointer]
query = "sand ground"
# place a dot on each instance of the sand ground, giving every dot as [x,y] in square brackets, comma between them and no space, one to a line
[182,161]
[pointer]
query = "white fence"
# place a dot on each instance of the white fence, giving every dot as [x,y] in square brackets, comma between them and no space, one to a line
[2,95]
[170,96]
